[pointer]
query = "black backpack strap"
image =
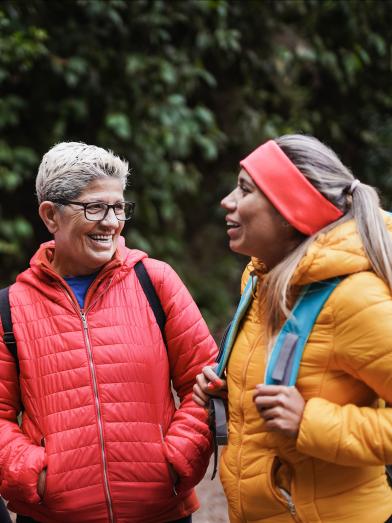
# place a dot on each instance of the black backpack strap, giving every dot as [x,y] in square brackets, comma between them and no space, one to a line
[152,296]
[6,320]
[218,426]
[388,469]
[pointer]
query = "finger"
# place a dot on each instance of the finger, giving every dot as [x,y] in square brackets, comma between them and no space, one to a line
[217,385]
[284,397]
[198,400]
[200,394]
[269,414]
[281,397]
[202,382]
[272,425]
[210,374]
[197,389]
[272,390]
[266,402]
[203,399]
[282,426]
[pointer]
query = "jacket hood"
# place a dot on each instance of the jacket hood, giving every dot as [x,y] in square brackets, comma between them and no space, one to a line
[40,269]
[338,252]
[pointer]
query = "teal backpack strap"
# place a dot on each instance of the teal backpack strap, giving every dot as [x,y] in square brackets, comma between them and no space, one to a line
[229,337]
[286,354]
[216,406]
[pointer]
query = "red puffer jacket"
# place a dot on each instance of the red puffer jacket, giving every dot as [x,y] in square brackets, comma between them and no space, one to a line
[95,385]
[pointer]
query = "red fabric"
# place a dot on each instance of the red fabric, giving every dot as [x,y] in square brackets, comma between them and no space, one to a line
[125,376]
[288,190]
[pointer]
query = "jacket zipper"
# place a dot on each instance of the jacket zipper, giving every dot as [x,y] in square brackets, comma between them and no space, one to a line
[99,417]
[290,503]
[244,375]
[82,315]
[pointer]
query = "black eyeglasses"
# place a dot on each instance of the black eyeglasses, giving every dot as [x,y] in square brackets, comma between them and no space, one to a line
[97,211]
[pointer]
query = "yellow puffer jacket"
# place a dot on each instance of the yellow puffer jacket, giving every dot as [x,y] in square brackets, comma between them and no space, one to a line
[334,471]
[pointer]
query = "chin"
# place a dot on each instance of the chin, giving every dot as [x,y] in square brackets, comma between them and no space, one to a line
[98,262]
[237,249]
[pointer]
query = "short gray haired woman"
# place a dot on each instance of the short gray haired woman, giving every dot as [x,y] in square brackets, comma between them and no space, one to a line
[100,438]
[315,451]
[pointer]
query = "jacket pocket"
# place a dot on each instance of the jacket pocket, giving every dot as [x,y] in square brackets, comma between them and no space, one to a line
[170,469]
[49,496]
[259,498]
[45,492]
[281,493]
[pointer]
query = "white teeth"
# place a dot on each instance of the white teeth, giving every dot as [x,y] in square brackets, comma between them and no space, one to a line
[232,224]
[100,237]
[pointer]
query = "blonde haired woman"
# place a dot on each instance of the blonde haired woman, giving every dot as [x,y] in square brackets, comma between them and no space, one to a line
[314,452]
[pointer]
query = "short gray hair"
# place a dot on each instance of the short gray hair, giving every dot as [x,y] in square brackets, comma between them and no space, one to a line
[69,167]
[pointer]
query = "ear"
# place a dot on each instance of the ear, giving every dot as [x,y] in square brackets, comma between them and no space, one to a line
[49,214]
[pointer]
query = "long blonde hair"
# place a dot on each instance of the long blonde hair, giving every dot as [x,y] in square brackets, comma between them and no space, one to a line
[323,169]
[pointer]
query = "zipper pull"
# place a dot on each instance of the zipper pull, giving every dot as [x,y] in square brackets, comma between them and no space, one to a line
[84,321]
[291,507]
[289,501]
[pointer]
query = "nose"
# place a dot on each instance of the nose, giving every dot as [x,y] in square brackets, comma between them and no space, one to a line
[229,202]
[110,218]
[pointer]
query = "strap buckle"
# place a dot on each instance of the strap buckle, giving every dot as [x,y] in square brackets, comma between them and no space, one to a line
[8,338]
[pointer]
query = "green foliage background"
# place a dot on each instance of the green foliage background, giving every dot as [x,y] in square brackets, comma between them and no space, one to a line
[183,90]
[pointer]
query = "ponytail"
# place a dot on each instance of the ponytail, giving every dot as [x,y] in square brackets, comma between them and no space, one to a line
[374,235]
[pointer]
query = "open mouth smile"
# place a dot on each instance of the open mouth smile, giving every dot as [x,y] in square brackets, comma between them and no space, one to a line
[232,225]
[101,238]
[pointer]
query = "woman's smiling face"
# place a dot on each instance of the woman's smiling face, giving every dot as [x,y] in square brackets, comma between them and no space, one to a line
[84,246]
[254,226]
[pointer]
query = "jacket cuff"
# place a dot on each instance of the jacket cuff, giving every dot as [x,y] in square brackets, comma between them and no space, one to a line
[320,429]
[192,469]
[21,482]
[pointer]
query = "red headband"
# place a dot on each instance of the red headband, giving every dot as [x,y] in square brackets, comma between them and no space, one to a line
[288,190]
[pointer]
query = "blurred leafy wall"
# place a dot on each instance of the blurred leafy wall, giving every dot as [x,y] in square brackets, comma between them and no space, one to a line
[183,90]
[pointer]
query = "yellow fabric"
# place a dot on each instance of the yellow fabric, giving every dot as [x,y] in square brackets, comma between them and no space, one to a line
[335,470]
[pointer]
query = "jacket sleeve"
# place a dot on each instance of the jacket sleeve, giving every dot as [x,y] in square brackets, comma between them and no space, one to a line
[20,460]
[190,348]
[355,435]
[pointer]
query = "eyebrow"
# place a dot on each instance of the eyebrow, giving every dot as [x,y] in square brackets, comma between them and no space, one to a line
[103,201]
[249,183]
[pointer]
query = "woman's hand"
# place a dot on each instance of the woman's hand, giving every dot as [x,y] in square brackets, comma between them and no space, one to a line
[41,483]
[208,384]
[281,407]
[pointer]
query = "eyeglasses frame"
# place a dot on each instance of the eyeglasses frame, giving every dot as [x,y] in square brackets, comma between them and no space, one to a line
[62,201]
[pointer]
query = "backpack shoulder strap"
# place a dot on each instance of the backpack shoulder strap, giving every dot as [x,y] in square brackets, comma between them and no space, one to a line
[286,354]
[152,297]
[231,331]
[6,320]
[217,409]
